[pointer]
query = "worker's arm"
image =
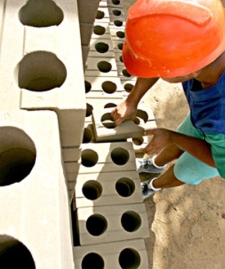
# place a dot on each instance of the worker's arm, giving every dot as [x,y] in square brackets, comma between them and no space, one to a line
[198,148]
[127,109]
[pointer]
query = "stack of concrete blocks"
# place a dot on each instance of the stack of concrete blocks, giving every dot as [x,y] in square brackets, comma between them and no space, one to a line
[42,102]
[110,221]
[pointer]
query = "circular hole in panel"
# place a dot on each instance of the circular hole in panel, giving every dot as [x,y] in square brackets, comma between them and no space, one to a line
[131,221]
[125,187]
[109,87]
[89,109]
[120,34]
[14,254]
[92,260]
[138,141]
[104,66]
[116,12]
[129,259]
[96,224]
[128,87]
[87,86]
[89,158]
[118,23]
[109,105]
[125,73]
[100,15]
[101,47]
[99,30]
[92,190]
[17,155]
[107,121]
[121,59]
[41,71]
[87,136]
[120,46]
[116,2]
[120,156]
[40,14]
[142,115]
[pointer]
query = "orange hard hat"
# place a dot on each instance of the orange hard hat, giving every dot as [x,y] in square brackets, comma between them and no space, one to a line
[170,38]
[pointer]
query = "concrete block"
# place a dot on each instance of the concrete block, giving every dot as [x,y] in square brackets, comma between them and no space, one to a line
[115,3]
[35,210]
[139,142]
[117,33]
[45,87]
[88,136]
[87,10]
[101,48]
[71,154]
[107,157]
[116,255]
[86,32]
[102,189]
[112,223]
[105,129]
[85,52]
[102,15]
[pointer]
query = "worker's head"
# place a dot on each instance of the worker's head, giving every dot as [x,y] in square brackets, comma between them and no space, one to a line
[172,38]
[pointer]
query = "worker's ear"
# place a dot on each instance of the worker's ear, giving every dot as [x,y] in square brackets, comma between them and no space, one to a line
[196,73]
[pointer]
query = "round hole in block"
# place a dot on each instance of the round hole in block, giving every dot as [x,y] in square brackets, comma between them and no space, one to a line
[100,15]
[104,66]
[138,141]
[41,71]
[101,47]
[116,12]
[128,87]
[125,187]
[87,136]
[92,190]
[116,2]
[87,86]
[107,121]
[120,34]
[109,87]
[129,259]
[89,109]
[96,224]
[142,115]
[89,158]
[99,30]
[126,73]
[120,156]
[121,59]
[14,254]
[120,46]
[109,105]
[42,13]
[92,260]
[118,23]
[131,221]
[17,155]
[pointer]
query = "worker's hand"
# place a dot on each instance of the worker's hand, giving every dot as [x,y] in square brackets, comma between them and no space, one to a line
[123,111]
[161,138]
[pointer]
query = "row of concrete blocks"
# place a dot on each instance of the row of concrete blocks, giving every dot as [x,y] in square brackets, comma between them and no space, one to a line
[35,230]
[110,217]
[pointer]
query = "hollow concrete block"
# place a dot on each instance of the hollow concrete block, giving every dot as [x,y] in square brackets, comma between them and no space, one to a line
[86,32]
[60,88]
[102,189]
[100,31]
[101,48]
[105,67]
[116,255]
[112,223]
[105,129]
[107,157]
[33,193]
[102,15]
[87,10]
[115,3]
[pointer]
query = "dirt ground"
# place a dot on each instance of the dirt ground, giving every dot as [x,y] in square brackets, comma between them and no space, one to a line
[187,223]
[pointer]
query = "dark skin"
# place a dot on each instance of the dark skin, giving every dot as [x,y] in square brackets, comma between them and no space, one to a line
[169,145]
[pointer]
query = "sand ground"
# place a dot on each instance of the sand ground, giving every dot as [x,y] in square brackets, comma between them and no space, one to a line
[187,223]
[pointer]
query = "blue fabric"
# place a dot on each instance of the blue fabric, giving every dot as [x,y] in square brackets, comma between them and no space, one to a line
[207,106]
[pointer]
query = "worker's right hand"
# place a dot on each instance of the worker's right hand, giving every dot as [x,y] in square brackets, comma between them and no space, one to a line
[124,111]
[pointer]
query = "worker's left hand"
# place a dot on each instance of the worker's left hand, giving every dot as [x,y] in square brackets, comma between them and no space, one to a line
[161,138]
